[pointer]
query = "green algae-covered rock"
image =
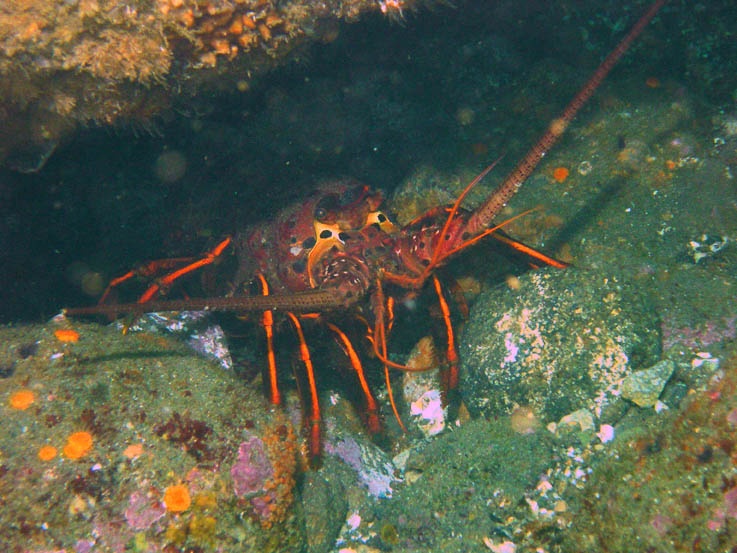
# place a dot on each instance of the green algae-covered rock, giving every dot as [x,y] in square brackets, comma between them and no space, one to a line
[561,342]
[666,484]
[464,486]
[644,387]
[170,436]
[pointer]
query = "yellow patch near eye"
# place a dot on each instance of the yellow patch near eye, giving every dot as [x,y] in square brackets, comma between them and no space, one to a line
[380,218]
[326,237]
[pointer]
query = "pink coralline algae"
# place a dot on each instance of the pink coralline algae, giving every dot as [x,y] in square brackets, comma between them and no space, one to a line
[730,502]
[732,418]
[662,524]
[84,546]
[727,510]
[701,336]
[252,468]
[143,511]
[374,470]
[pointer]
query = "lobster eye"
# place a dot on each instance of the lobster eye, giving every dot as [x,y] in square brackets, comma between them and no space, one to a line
[326,208]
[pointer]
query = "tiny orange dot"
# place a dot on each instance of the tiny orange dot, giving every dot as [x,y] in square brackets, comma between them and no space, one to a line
[560,174]
[78,445]
[66,335]
[176,498]
[47,452]
[652,82]
[670,164]
[133,451]
[22,399]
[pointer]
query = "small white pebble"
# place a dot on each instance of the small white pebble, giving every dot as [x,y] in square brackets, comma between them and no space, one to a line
[354,521]
[504,547]
[544,486]
[605,433]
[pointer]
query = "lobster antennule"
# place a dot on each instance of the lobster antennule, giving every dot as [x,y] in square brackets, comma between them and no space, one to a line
[301,302]
[485,214]
[444,247]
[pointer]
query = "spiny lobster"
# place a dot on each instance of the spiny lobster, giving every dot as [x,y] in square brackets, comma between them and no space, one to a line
[338,250]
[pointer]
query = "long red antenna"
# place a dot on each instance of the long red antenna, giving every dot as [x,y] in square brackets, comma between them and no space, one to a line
[484,215]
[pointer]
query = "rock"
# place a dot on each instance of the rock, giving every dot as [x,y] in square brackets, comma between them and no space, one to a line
[561,342]
[644,387]
[421,390]
[325,506]
[677,468]
[373,467]
[468,484]
[158,420]
[130,64]
[578,421]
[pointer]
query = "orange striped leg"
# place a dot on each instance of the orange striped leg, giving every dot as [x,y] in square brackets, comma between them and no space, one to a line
[459,300]
[267,321]
[315,441]
[148,270]
[166,281]
[372,408]
[450,372]
[379,343]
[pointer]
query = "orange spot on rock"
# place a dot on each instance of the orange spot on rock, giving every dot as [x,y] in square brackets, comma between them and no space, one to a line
[22,399]
[248,21]
[78,445]
[652,82]
[133,451]
[66,335]
[264,32]
[177,499]
[47,452]
[560,174]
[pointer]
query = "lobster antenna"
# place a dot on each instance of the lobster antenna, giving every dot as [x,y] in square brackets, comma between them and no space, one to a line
[311,300]
[484,214]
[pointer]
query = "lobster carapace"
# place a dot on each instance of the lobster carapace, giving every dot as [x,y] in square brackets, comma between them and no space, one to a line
[338,251]
[289,251]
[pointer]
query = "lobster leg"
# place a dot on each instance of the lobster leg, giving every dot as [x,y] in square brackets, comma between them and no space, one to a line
[379,343]
[166,281]
[449,374]
[372,408]
[146,270]
[383,310]
[315,443]
[267,321]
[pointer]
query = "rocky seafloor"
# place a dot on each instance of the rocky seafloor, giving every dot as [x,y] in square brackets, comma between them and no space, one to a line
[597,404]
